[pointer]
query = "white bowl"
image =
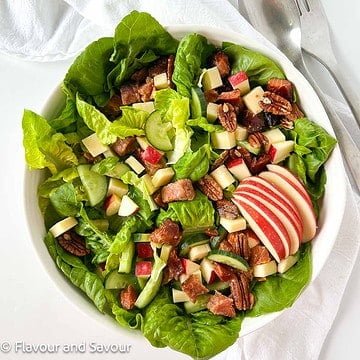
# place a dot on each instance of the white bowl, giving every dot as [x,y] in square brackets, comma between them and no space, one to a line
[332,206]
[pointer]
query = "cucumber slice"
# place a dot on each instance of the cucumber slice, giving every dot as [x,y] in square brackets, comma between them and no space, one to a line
[216,240]
[192,240]
[198,305]
[228,258]
[95,184]
[114,280]
[219,286]
[198,104]
[117,172]
[156,132]
[248,147]
[142,282]
[126,258]
[141,237]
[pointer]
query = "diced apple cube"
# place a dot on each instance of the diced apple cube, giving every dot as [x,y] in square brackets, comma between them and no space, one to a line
[161,81]
[264,270]
[223,140]
[135,164]
[184,277]
[112,205]
[63,226]
[127,206]
[212,112]
[233,225]
[273,136]
[144,250]
[240,81]
[162,177]
[94,145]
[208,271]
[251,100]
[223,176]
[280,151]
[241,133]
[211,79]
[117,187]
[199,252]
[147,106]
[142,141]
[143,269]
[179,296]
[149,184]
[238,168]
[189,266]
[151,155]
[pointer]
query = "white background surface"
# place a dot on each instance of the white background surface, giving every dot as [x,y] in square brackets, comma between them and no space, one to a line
[30,305]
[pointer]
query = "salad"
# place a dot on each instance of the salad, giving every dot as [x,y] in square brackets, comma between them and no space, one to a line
[183,184]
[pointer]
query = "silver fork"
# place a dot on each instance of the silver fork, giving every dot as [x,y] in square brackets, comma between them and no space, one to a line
[316,40]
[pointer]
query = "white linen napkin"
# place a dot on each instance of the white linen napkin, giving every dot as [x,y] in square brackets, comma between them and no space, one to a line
[50,30]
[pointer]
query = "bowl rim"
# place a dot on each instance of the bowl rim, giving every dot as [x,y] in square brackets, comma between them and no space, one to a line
[249,324]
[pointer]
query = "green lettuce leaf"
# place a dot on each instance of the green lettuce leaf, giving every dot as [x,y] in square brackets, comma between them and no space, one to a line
[259,68]
[66,120]
[43,147]
[193,165]
[197,214]
[191,56]
[280,292]
[131,319]
[88,74]
[203,124]
[201,335]
[163,100]
[137,45]
[313,146]
[96,121]
[76,271]
[64,200]
[132,122]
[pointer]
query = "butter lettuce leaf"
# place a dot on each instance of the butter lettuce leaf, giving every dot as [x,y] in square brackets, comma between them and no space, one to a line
[259,68]
[200,335]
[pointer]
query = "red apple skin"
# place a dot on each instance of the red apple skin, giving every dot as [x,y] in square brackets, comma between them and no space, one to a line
[185,263]
[143,268]
[274,218]
[270,196]
[237,78]
[151,155]
[272,236]
[144,250]
[234,162]
[213,277]
[110,201]
[272,152]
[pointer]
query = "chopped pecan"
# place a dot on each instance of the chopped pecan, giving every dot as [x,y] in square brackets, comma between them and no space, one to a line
[211,95]
[227,117]
[258,140]
[221,159]
[226,246]
[159,66]
[239,243]
[113,107]
[128,297]
[235,153]
[240,291]
[158,199]
[281,87]
[295,114]
[193,287]
[286,124]
[224,272]
[91,159]
[180,190]
[220,304]
[259,255]
[174,267]
[245,154]
[129,94]
[73,243]
[125,146]
[253,122]
[221,61]
[146,89]
[275,104]
[252,238]
[232,97]
[209,186]
[151,169]
[140,76]
[167,233]
[227,209]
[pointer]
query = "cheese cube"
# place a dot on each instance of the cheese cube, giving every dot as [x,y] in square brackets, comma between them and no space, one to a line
[223,140]
[161,81]
[251,100]
[234,225]
[135,164]
[211,79]
[94,146]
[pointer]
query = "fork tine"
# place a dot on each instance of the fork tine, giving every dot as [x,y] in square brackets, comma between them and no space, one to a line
[301,7]
[315,5]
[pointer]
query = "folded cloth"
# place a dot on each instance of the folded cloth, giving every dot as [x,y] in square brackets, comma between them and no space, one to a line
[44,30]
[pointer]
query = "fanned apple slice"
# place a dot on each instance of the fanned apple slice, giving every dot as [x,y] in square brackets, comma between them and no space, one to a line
[302,203]
[284,217]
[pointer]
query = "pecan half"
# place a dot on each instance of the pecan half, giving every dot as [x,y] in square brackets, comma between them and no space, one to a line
[193,287]
[240,291]
[275,104]
[221,61]
[281,87]
[240,244]
[258,140]
[227,117]
[167,233]
[220,304]
[227,209]
[221,159]
[259,255]
[73,243]
[209,186]
[295,114]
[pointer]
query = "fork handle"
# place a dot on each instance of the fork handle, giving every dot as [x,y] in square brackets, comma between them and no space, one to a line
[349,144]
[343,82]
